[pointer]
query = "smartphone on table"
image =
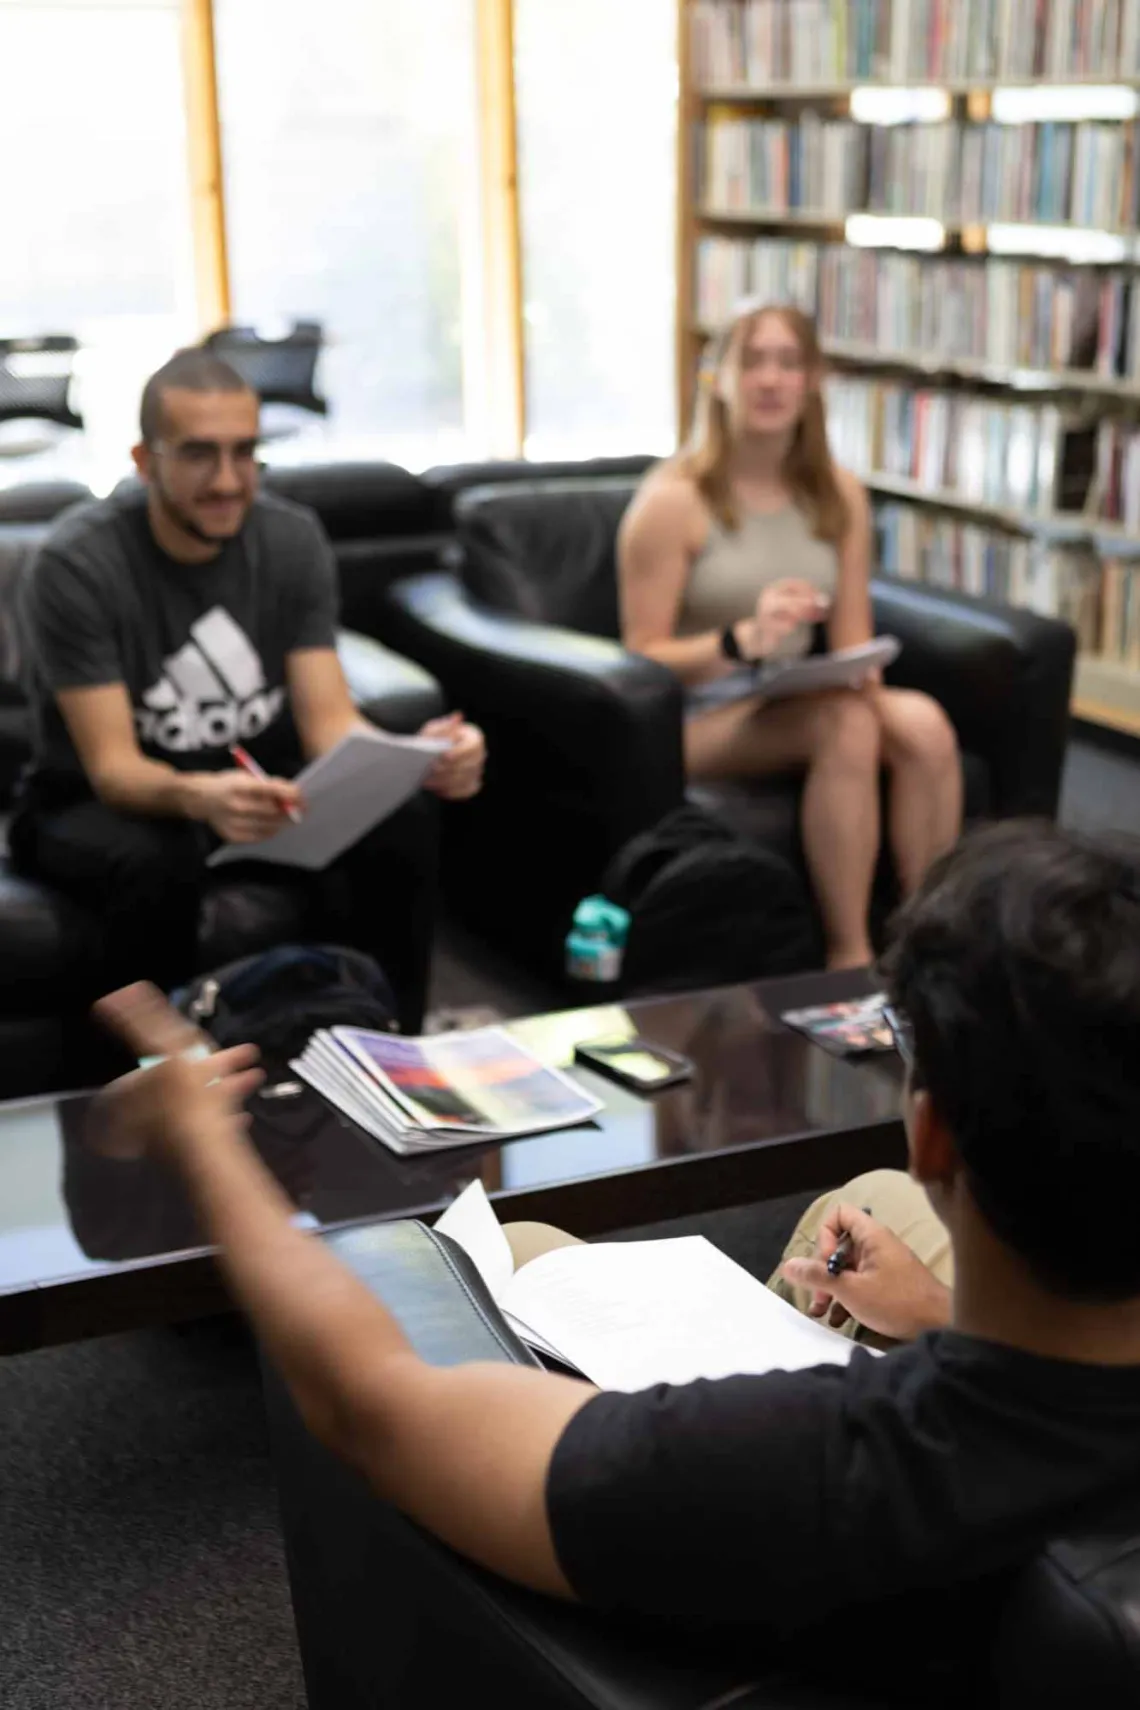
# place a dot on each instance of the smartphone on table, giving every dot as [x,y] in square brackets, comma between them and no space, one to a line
[634,1063]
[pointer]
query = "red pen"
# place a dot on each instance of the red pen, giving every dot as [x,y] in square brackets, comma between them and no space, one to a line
[248,764]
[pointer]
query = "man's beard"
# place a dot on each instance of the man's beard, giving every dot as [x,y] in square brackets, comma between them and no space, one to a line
[184,521]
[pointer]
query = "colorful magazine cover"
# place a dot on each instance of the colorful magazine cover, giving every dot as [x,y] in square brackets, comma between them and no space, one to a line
[478,1082]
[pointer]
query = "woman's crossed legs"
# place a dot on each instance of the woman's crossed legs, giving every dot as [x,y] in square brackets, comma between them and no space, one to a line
[841,740]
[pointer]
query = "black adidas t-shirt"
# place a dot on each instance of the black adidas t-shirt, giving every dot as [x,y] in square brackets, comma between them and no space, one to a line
[201,648]
[867,1519]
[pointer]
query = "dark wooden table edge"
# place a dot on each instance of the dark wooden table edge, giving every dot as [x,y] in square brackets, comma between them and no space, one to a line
[171,1289]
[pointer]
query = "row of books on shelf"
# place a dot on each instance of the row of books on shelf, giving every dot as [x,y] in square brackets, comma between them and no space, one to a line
[1099,597]
[1005,455]
[960,173]
[1005,314]
[758,43]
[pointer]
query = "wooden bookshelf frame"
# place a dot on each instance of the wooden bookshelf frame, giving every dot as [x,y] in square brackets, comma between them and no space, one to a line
[1106,691]
[204,148]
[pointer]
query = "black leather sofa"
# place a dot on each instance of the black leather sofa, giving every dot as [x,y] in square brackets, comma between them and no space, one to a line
[50,949]
[498,578]
[585,738]
[386,1615]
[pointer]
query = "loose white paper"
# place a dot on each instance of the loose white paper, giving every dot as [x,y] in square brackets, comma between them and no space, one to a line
[363,780]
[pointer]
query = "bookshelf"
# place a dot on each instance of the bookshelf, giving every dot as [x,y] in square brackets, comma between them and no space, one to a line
[952,188]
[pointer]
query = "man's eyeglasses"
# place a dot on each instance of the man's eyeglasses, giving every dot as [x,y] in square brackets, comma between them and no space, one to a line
[204,456]
[902,1034]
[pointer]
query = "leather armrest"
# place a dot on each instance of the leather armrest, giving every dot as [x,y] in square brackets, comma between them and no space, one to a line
[565,714]
[1004,676]
[393,692]
[387,1615]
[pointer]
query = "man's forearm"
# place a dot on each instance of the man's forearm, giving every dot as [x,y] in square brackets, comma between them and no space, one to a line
[323,736]
[321,1325]
[149,787]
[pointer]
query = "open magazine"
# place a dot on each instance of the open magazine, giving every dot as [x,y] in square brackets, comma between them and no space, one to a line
[448,1089]
[629,1314]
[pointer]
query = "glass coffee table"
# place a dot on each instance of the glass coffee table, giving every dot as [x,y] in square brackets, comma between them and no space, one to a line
[89,1245]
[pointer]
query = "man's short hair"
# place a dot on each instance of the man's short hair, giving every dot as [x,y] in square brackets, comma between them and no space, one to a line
[1017,967]
[193,370]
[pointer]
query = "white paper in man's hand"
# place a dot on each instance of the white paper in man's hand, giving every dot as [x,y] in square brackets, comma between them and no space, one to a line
[363,780]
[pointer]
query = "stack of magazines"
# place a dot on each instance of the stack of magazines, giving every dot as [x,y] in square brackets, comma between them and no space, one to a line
[450,1089]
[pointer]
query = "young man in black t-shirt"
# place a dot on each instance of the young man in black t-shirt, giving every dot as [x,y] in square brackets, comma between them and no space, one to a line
[163,626]
[887,1502]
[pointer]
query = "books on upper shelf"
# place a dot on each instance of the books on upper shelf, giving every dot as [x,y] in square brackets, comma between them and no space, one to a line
[449,1089]
[1008,314]
[760,43]
[983,451]
[1054,172]
[812,165]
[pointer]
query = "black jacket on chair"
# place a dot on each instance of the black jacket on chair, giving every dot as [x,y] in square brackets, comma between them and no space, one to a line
[387,1615]
[585,737]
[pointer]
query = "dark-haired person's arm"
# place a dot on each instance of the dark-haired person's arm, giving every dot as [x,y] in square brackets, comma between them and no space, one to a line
[464,1451]
[883,1285]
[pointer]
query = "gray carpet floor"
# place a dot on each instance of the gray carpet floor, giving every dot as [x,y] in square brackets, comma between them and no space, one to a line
[141,1563]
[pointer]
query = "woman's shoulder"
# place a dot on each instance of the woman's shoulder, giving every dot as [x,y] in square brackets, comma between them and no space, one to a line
[668,494]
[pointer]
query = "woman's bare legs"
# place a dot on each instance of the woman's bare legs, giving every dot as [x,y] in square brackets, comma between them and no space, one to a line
[835,737]
[920,752]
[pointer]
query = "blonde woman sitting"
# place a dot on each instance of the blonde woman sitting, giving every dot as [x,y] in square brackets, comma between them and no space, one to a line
[732,551]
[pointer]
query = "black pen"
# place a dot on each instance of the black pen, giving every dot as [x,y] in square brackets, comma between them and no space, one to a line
[837,1263]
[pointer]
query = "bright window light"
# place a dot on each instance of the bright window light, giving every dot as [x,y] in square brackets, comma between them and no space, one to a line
[1043,102]
[891,231]
[899,106]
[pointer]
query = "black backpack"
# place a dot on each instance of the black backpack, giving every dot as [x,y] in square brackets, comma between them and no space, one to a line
[278,998]
[707,907]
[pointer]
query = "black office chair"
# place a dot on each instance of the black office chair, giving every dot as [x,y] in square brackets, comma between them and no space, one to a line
[279,370]
[35,384]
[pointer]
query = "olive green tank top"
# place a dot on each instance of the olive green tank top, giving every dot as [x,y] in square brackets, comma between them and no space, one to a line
[734,567]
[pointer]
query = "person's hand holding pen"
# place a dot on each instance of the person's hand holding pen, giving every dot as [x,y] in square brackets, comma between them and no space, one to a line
[863,1271]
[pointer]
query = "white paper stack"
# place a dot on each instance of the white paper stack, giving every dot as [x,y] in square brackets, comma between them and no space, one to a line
[449,1089]
[364,779]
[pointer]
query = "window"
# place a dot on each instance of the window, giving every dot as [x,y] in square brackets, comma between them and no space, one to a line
[95,193]
[349,140]
[597,99]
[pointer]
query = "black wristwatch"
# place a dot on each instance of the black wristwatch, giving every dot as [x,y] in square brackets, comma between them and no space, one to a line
[730,647]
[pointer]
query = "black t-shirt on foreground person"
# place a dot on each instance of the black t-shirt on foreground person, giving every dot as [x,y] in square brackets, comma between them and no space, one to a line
[894,1490]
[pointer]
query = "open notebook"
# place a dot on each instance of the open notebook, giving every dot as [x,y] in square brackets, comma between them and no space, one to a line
[631,1314]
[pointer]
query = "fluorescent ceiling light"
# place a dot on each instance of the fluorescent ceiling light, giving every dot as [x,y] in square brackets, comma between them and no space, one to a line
[1066,243]
[892,231]
[1012,106]
[899,106]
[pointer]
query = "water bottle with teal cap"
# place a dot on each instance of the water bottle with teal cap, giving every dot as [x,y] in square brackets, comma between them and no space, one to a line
[596,942]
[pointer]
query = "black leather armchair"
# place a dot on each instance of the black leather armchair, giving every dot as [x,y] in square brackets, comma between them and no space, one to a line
[51,950]
[585,738]
[386,1615]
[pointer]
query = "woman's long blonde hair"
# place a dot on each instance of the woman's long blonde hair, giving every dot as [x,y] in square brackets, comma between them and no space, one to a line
[808,467]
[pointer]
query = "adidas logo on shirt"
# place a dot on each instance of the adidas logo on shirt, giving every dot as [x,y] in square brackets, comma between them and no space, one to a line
[212,692]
